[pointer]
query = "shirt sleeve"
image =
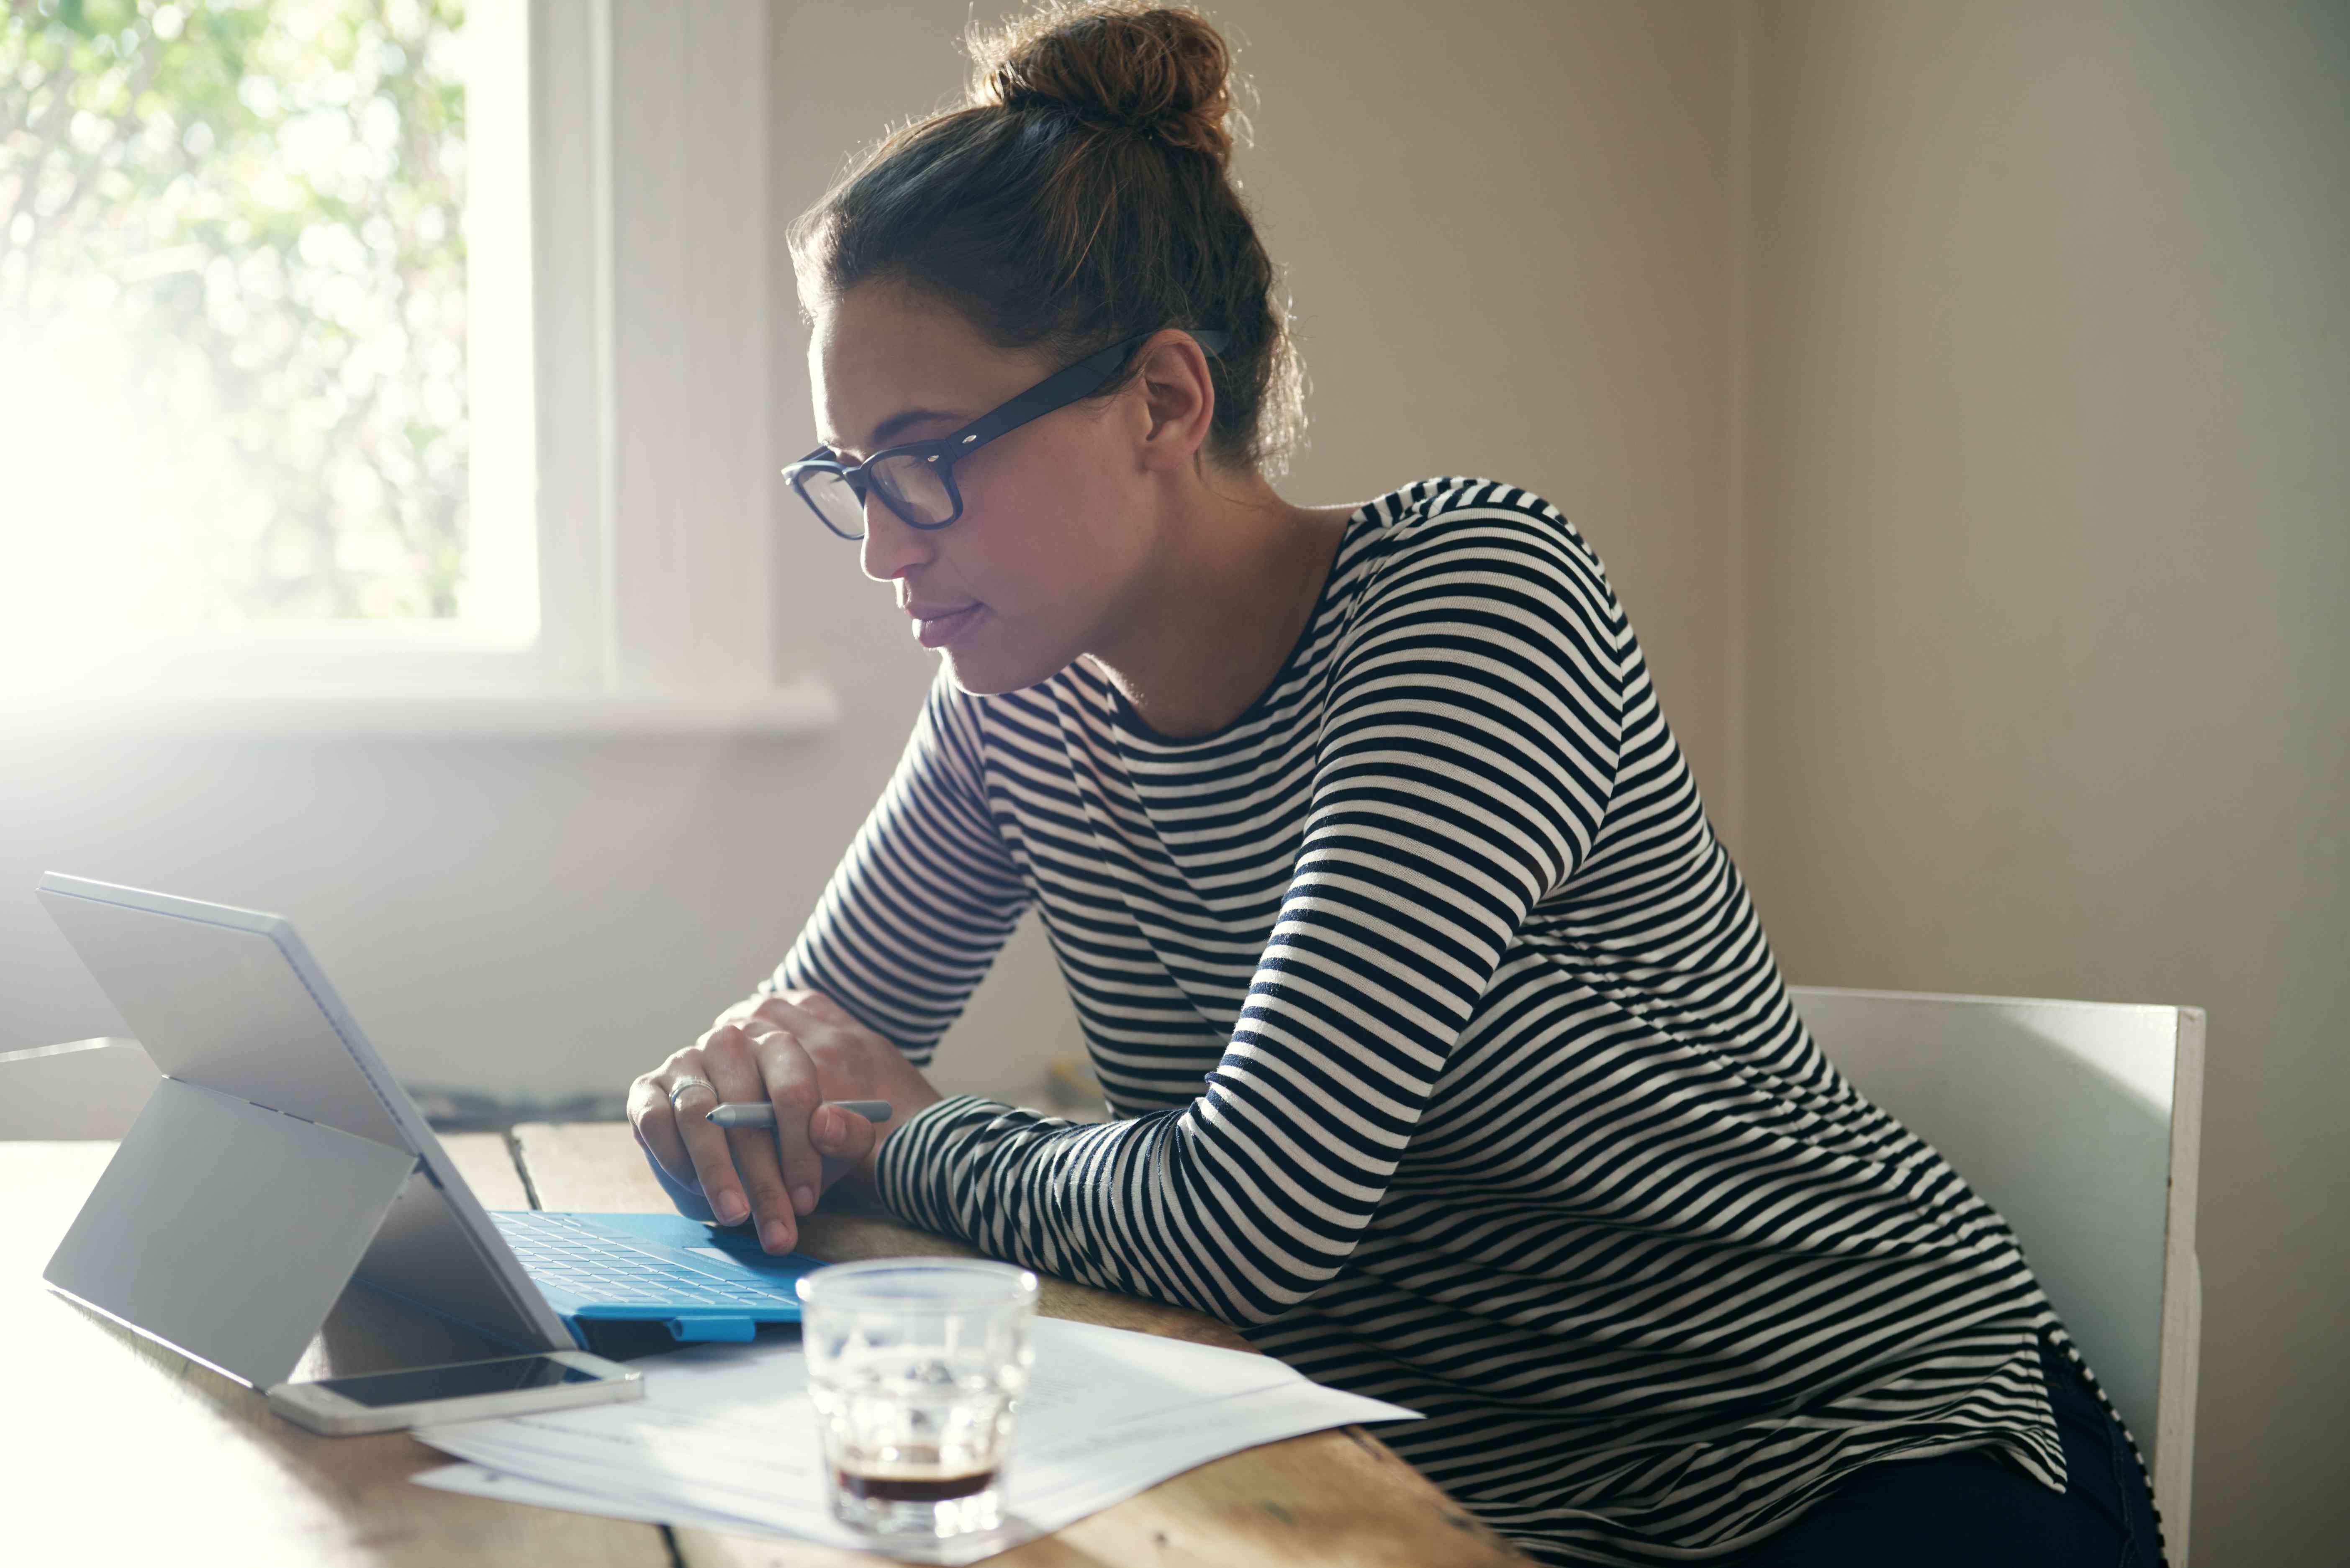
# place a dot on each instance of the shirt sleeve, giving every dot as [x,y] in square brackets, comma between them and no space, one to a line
[924,899]
[919,907]
[1470,751]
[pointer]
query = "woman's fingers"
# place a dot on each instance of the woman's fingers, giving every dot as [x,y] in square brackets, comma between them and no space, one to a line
[792,1089]
[656,1125]
[772,1177]
[792,1049]
[691,1093]
[844,1135]
[739,1072]
[706,1146]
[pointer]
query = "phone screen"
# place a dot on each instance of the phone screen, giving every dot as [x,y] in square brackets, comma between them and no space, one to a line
[501,1376]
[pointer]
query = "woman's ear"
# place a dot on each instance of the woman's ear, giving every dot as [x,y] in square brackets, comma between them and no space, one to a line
[1178,400]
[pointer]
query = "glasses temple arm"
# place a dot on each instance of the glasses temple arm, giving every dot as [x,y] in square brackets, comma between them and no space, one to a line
[1065,387]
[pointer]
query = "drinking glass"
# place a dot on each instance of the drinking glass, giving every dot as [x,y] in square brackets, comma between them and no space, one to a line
[915,1365]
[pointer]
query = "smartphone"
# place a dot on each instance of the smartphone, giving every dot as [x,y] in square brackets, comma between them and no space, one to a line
[459,1391]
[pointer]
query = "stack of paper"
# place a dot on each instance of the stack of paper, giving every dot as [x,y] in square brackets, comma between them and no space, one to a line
[726,1438]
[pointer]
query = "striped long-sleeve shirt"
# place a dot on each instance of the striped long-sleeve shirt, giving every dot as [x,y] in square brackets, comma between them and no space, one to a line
[1446,1055]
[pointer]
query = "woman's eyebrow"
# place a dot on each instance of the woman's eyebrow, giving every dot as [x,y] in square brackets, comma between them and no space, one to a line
[895,423]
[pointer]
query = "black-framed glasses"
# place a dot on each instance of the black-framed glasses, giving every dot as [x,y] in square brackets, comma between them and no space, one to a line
[916,478]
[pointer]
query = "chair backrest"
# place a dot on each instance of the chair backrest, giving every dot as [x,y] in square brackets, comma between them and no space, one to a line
[2080,1122]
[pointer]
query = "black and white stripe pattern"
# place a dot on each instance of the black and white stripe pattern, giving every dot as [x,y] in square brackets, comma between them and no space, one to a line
[1449,1058]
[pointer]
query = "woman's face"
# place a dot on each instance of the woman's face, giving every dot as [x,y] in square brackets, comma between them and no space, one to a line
[1056,530]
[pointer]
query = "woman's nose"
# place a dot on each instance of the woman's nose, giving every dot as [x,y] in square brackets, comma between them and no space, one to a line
[891,545]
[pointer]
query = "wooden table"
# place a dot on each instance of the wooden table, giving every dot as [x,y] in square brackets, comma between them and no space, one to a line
[113,1450]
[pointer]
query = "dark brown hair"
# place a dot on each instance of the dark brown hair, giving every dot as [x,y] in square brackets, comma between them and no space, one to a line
[1081,195]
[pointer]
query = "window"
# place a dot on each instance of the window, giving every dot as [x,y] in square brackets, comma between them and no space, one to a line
[385,343]
[233,280]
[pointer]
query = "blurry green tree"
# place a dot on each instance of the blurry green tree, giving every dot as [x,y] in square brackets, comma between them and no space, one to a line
[236,226]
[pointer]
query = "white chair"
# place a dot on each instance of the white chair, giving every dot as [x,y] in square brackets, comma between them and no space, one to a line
[2080,1122]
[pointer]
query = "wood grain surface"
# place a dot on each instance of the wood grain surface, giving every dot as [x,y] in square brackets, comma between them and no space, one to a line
[1334,1498]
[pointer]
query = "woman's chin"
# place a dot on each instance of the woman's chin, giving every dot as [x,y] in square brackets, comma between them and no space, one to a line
[987,672]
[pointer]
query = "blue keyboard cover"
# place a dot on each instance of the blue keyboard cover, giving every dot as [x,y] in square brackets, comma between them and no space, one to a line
[637,1266]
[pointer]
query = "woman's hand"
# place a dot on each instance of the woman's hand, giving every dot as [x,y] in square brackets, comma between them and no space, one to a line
[794,1050]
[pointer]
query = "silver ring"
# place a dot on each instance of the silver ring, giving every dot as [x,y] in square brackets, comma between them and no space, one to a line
[684,1083]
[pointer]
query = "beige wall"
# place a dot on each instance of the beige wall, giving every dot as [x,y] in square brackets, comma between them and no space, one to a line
[1506,232]
[2046,517]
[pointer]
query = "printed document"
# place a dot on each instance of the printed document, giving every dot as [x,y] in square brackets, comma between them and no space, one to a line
[725,1437]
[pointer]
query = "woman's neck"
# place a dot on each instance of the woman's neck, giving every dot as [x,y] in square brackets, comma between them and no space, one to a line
[1222,602]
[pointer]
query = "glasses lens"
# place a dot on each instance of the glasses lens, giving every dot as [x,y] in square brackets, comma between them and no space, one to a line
[834,501]
[915,486]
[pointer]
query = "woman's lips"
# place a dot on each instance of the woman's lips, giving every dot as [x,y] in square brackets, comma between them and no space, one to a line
[945,628]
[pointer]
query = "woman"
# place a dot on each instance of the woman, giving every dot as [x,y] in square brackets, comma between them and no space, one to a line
[1448,1058]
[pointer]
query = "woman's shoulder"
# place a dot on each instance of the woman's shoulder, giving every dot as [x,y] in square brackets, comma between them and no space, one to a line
[1481,528]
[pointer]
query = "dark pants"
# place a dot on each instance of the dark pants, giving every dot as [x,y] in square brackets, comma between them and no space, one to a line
[1971,1509]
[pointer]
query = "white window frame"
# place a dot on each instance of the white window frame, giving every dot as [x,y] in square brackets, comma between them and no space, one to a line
[655,480]
[649,409]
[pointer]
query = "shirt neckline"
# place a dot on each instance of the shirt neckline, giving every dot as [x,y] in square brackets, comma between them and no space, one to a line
[1131,721]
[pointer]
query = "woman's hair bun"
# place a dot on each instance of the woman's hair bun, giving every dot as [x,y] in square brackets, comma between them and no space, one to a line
[1154,69]
[1082,193]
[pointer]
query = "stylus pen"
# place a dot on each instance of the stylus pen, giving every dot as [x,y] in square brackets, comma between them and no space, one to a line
[760,1114]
